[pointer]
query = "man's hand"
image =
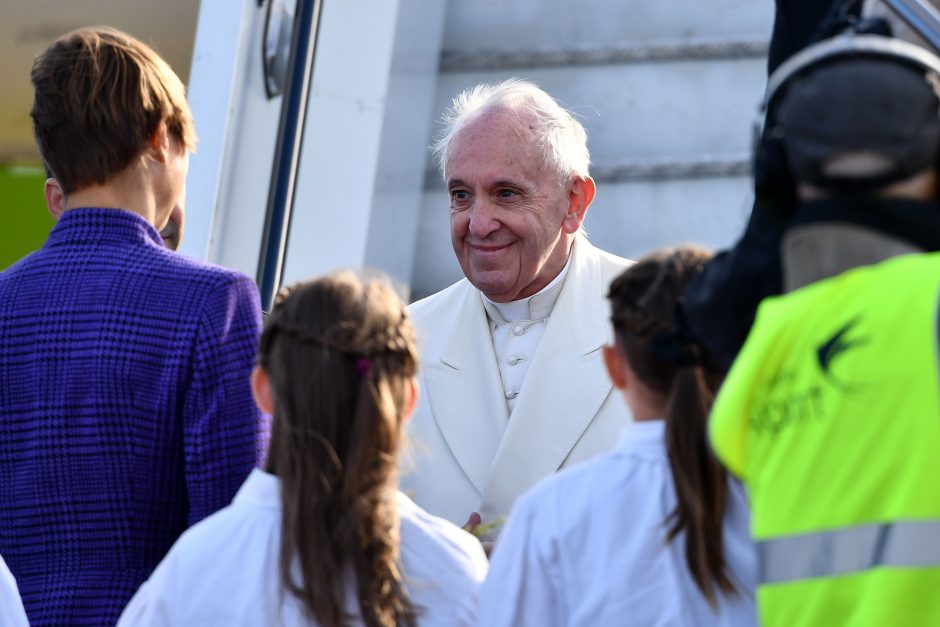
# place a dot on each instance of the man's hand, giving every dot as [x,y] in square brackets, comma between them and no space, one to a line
[473,525]
[473,522]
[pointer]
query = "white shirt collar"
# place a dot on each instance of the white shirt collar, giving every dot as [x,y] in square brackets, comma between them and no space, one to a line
[536,307]
[643,434]
[261,489]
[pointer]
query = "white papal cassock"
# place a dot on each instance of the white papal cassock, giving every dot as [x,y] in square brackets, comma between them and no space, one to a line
[588,547]
[469,453]
[224,570]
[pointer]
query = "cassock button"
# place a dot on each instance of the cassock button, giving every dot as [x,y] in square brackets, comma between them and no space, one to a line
[519,329]
[514,360]
[511,394]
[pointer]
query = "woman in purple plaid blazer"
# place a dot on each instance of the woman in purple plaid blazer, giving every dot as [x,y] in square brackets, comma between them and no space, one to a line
[125,408]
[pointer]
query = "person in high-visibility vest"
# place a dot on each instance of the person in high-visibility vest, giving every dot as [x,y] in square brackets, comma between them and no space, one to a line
[831,412]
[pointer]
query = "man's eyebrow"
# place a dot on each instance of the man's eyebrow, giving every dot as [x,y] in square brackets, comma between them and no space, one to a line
[452,183]
[509,183]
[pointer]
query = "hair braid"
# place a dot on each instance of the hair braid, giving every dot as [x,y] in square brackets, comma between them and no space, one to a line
[335,441]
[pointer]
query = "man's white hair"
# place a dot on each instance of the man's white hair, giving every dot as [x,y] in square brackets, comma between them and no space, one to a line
[561,137]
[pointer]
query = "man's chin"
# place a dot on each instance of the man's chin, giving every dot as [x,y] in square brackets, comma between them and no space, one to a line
[496,291]
[495,281]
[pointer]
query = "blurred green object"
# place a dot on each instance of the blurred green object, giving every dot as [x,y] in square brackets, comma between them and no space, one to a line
[488,532]
[26,221]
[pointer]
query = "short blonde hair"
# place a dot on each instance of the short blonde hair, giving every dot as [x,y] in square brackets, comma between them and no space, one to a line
[99,95]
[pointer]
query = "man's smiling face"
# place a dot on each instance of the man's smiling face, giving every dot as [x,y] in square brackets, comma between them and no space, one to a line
[508,208]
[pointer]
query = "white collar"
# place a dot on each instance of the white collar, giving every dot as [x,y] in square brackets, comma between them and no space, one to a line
[643,434]
[536,307]
[262,489]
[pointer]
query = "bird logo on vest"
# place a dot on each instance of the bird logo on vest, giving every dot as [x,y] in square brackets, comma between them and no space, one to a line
[839,344]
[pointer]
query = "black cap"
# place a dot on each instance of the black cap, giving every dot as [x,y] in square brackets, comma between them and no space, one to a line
[880,107]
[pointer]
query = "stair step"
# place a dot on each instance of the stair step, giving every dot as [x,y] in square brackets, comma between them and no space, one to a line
[643,112]
[495,59]
[535,24]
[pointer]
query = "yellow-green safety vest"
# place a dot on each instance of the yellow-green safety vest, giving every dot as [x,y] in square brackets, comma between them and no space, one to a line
[831,417]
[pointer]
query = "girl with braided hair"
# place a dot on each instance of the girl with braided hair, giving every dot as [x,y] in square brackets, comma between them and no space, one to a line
[654,532]
[324,537]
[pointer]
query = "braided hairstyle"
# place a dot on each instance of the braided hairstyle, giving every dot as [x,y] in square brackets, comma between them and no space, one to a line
[646,302]
[339,353]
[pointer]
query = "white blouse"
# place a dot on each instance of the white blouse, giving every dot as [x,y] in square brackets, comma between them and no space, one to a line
[12,613]
[225,570]
[588,547]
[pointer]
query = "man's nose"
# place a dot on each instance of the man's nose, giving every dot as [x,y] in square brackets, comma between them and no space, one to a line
[483,219]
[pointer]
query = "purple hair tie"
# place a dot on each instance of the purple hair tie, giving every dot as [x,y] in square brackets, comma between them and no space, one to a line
[364,366]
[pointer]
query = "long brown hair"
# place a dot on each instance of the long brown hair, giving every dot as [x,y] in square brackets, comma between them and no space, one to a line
[647,317]
[339,352]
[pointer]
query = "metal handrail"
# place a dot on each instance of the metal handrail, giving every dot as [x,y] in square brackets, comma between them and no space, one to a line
[921,17]
[288,150]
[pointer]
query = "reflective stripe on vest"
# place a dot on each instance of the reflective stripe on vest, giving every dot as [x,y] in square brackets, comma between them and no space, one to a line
[912,544]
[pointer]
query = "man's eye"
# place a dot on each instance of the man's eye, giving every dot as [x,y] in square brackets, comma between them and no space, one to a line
[507,193]
[459,195]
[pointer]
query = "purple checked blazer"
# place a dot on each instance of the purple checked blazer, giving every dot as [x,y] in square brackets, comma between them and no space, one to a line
[125,409]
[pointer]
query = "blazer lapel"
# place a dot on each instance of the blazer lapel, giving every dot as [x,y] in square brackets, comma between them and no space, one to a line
[465,392]
[564,388]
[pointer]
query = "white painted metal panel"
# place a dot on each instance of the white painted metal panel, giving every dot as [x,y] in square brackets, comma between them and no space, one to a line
[361,176]
[228,176]
[631,219]
[406,131]
[236,239]
[435,266]
[342,136]
[549,24]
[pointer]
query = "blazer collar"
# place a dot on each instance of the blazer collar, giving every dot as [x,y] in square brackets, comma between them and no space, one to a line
[465,392]
[92,224]
[584,300]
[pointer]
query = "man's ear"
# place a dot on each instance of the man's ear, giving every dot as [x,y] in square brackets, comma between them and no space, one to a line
[616,367]
[159,147]
[261,390]
[55,199]
[411,398]
[580,195]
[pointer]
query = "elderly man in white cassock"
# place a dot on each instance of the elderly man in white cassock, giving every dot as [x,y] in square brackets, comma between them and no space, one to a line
[513,379]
